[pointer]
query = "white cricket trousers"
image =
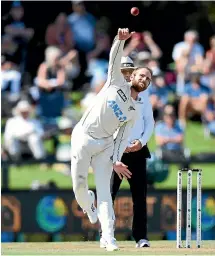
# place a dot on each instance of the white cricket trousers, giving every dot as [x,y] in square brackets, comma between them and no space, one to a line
[87,151]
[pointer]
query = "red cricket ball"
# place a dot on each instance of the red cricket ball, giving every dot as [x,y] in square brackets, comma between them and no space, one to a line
[134,11]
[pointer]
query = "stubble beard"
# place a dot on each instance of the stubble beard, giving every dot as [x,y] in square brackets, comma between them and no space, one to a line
[138,88]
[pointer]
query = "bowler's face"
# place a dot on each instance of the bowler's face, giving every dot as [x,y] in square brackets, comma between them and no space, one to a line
[141,79]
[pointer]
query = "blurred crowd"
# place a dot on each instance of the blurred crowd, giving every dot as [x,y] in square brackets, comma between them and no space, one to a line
[76,56]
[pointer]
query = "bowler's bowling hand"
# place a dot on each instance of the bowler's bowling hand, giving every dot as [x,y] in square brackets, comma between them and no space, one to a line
[122,170]
[123,33]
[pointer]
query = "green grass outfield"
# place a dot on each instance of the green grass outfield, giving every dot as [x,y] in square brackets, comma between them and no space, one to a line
[92,248]
[22,177]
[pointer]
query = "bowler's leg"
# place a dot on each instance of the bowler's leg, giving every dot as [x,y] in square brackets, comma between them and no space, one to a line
[103,167]
[80,162]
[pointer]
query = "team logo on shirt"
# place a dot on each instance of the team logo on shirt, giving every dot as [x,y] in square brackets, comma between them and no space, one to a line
[117,111]
[139,101]
[122,95]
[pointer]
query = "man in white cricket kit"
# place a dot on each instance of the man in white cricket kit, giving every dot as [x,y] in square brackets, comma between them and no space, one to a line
[135,157]
[93,143]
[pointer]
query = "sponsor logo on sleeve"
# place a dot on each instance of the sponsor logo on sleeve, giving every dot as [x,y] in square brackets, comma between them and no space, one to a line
[122,95]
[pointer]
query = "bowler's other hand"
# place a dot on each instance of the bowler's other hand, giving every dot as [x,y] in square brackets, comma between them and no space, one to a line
[136,146]
[123,33]
[122,170]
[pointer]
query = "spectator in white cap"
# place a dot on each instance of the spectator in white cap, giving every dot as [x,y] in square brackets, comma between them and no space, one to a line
[23,133]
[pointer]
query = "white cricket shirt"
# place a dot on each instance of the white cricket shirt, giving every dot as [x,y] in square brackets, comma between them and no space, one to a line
[113,107]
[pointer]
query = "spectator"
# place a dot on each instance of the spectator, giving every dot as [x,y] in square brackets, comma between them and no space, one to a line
[10,75]
[98,58]
[189,48]
[59,34]
[51,80]
[143,42]
[103,42]
[23,133]
[159,93]
[142,58]
[82,25]
[154,65]
[210,54]
[70,62]
[16,28]
[186,54]
[169,138]
[210,115]
[194,99]
[208,76]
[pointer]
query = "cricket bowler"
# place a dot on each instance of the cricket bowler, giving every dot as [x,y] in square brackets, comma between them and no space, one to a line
[93,143]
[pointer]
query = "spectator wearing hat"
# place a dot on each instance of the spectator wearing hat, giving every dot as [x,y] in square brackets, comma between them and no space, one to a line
[23,133]
[169,137]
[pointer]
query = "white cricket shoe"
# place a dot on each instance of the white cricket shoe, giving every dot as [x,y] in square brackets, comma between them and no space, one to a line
[142,243]
[92,212]
[103,243]
[109,244]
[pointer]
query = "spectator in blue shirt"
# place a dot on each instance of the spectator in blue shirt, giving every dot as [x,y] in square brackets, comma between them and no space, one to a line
[169,137]
[194,99]
[159,93]
[82,25]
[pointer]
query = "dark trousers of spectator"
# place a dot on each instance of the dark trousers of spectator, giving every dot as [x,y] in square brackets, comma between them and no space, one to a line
[136,162]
